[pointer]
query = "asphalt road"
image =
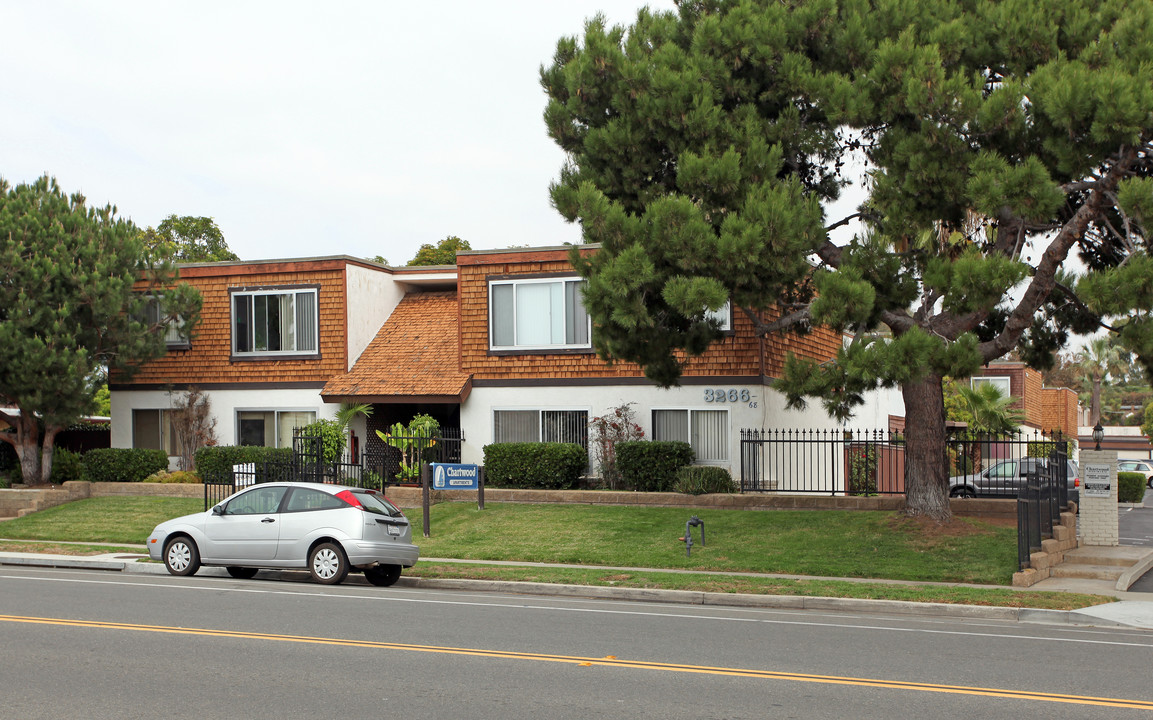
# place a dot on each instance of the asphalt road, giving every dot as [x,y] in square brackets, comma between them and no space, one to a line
[86,644]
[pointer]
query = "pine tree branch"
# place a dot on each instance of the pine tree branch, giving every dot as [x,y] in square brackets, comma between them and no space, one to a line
[1044,279]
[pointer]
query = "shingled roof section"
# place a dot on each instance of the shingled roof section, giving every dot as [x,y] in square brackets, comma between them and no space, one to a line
[413,358]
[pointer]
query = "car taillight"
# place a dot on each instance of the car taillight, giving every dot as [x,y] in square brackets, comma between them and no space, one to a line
[1076,482]
[350,497]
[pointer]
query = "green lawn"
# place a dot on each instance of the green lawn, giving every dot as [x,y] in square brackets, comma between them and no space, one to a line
[827,543]
[834,544]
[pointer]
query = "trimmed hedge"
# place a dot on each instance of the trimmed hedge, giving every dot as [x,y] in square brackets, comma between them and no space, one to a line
[703,479]
[1130,487]
[217,461]
[123,464]
[651,466]
[541,465]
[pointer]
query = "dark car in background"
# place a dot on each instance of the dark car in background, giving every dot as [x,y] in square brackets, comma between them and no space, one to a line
[1006,478]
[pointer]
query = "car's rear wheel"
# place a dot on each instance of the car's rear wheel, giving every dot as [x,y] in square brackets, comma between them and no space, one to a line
[327,564]
[1149,482]
[962,492]
[181,556]
[241,573]
[382,575]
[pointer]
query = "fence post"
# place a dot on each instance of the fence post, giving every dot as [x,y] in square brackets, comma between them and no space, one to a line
[480,488]
[424,501]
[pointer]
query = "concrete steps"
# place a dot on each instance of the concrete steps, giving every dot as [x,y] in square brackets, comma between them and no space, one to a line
[18,502]
[1098,563]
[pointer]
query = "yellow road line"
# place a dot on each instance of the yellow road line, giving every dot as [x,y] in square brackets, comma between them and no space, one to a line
[610,661]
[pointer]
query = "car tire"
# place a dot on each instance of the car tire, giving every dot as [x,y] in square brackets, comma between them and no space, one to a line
[241,573]
[328,564]
[382,575]
[1149,482]
[181,556]
[962,492]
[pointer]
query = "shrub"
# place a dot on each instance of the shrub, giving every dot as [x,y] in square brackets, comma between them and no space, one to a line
[215,463]
[123,464]
[177,476]
[608,431]
[651,466]
[549,466]
[333,436]
[862,469]
[703,479]
[1130,487]
[66,466]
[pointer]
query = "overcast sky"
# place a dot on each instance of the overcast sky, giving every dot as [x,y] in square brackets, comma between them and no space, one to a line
[359,128]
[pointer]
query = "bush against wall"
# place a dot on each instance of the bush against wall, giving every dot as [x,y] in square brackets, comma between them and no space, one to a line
[702,480]
[605,433]
[67,466]
[549,466]
[333,437]
[651,466]
[193,425]
[1130,487]
[123,464]
[214,464]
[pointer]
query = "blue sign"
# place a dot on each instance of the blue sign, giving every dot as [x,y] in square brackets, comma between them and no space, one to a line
[454,476]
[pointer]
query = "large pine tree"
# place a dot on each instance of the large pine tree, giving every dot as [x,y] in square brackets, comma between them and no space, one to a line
[1000,138]
[68,310]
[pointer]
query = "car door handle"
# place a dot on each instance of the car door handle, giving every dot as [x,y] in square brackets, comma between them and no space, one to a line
[268,520]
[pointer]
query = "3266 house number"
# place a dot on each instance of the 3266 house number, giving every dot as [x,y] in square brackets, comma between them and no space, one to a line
[732,395]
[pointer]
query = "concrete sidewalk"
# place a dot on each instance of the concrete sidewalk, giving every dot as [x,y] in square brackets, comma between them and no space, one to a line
[1131,610]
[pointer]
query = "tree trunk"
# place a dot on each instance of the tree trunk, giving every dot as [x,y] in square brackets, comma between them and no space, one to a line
[1095,402]
[926,464]
[27,447]
[46,454]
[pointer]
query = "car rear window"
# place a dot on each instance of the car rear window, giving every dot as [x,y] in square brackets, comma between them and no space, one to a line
[374,502]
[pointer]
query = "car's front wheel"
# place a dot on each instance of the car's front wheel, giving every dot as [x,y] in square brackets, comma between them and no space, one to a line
[327,564]
[181,556]
[1149,482]
[962,492]
[382,575]
[241,573]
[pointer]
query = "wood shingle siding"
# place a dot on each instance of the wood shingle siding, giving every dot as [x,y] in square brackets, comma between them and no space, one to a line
[738,354]
[209,360]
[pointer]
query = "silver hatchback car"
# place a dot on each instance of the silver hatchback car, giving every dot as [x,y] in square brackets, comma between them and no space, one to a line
[328,529]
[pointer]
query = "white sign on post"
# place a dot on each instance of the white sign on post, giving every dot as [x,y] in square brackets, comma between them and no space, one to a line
[1098,481]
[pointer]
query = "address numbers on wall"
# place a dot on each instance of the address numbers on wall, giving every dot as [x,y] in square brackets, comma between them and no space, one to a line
[729,395]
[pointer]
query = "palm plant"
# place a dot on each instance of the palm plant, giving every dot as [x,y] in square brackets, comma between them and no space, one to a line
[1100,359]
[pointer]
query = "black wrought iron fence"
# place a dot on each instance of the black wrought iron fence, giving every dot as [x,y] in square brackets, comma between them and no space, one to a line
[832,462]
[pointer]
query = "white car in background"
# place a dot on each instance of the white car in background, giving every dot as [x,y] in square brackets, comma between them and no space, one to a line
[326,529]
[1145,467]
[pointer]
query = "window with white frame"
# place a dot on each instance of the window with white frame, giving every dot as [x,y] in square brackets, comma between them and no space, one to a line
[1000,382]
[723,315]
[274,322]
[154,314]
[707,431]
[537,314]
[153,430]
[568,426]
[270,428]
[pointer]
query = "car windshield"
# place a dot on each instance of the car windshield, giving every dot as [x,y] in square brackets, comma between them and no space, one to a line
[376,503]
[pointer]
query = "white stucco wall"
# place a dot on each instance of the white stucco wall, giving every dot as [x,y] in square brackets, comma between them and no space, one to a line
[372,296]
[224,403]
[764,408]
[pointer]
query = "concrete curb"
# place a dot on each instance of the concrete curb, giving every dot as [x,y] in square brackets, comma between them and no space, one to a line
[1134,573]
[677,597]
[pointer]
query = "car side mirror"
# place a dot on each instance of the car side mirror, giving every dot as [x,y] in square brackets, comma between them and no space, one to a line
[218,510]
